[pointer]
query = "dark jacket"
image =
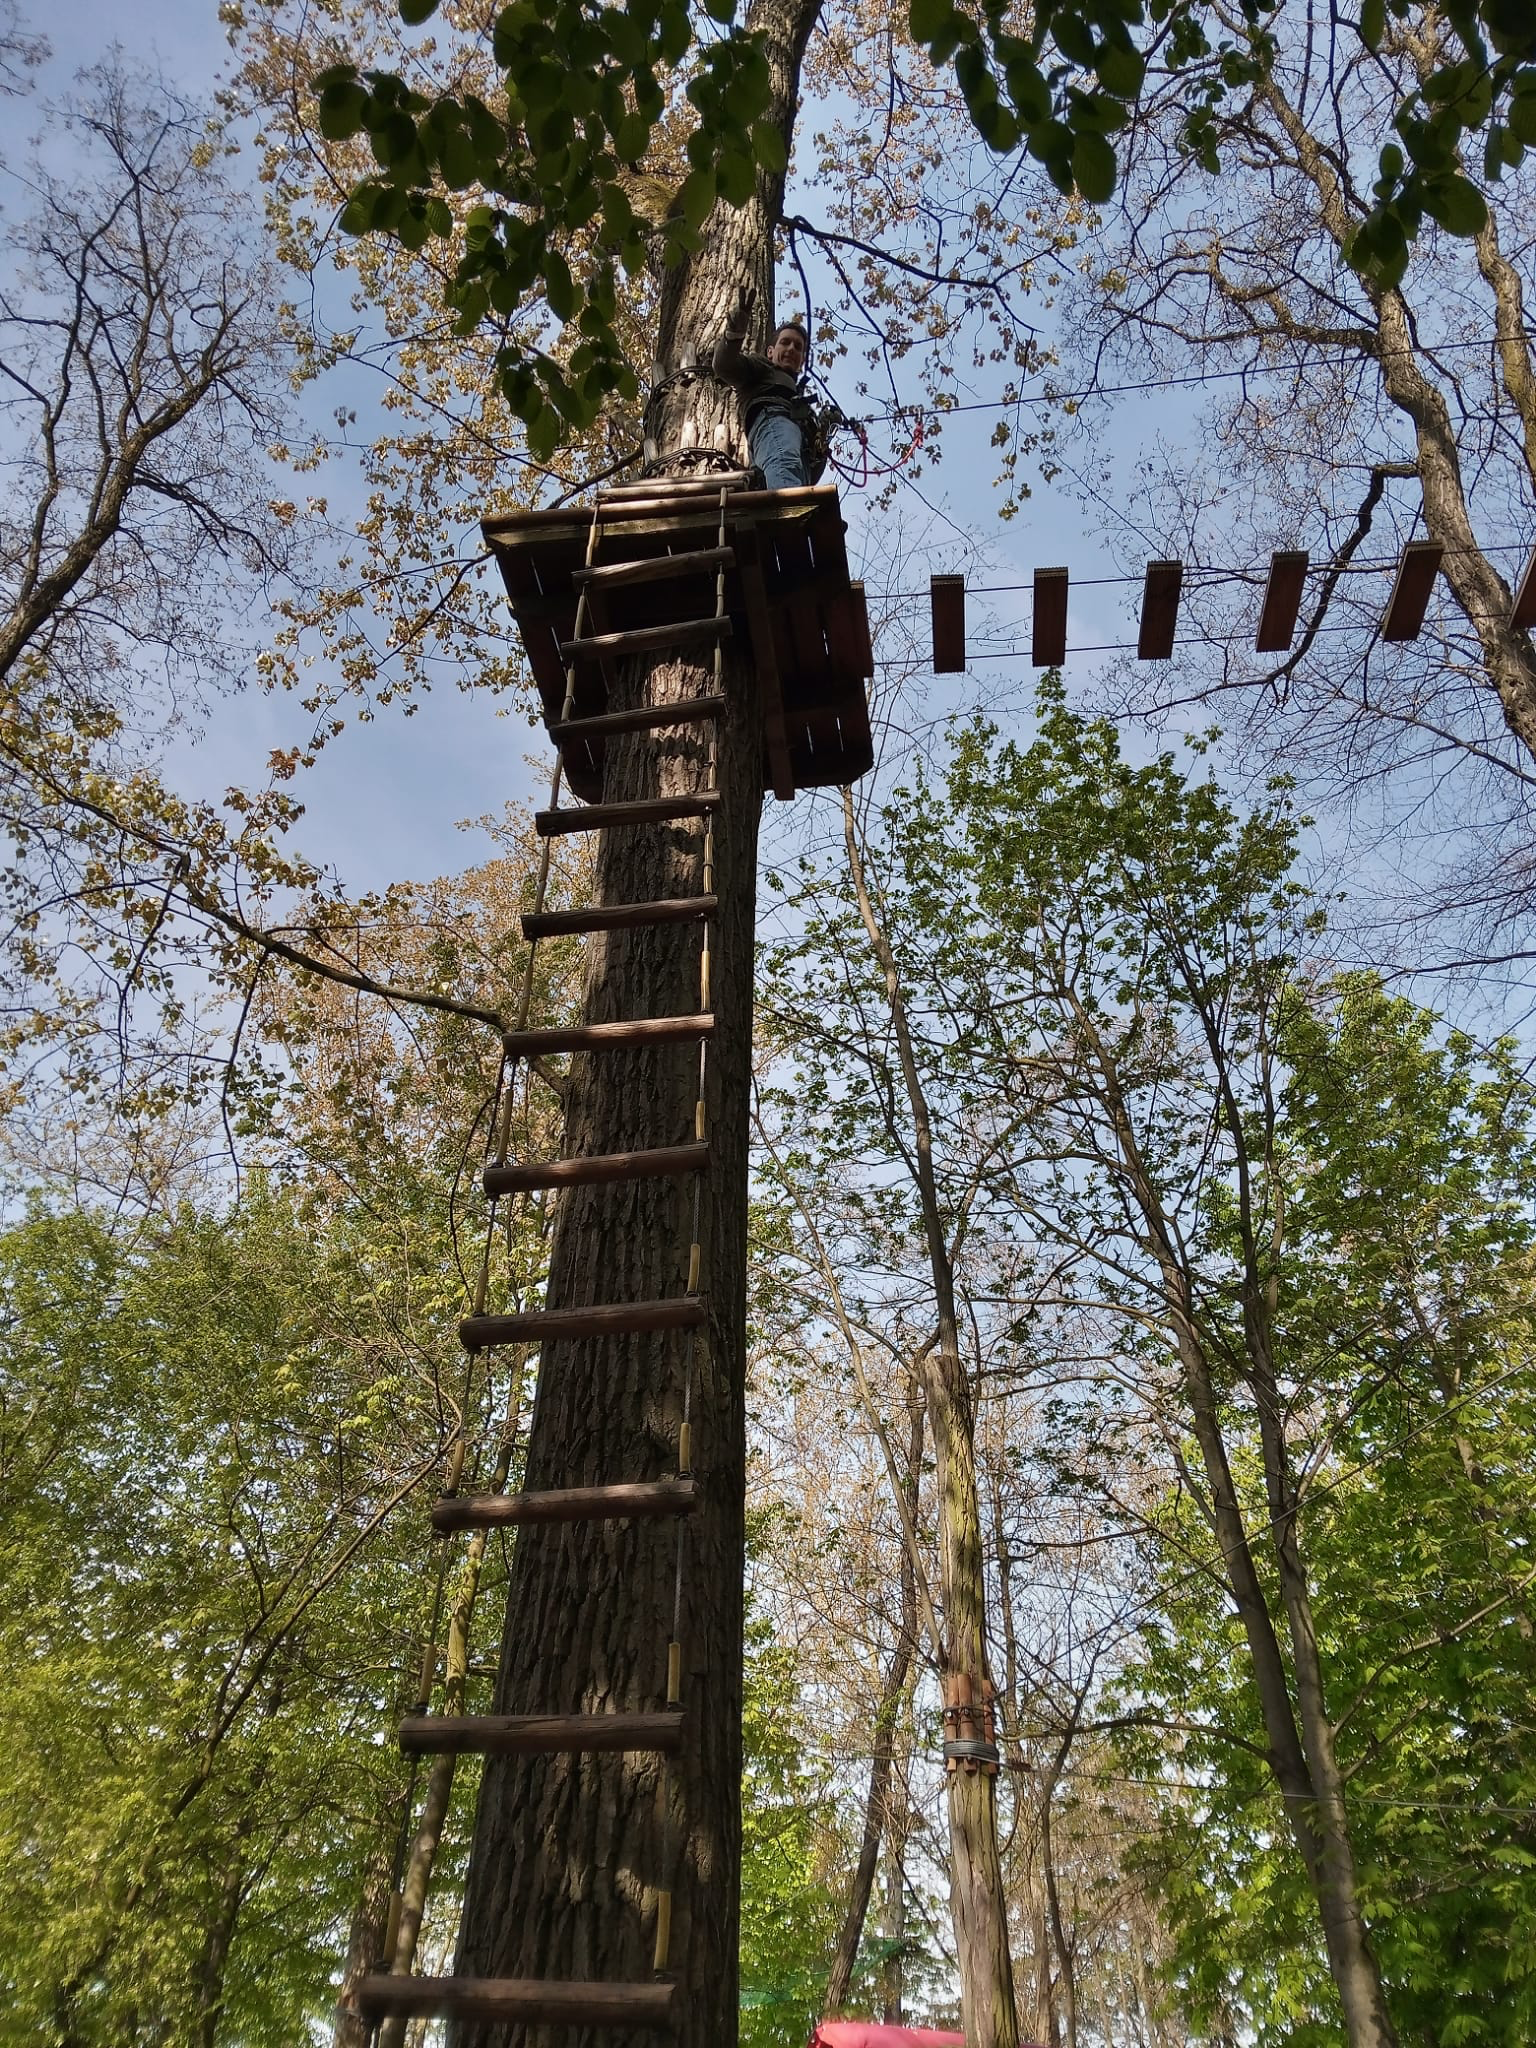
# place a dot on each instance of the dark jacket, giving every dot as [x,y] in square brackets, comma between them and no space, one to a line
[764,387]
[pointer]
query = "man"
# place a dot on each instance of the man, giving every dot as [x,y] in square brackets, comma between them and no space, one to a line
[782,430]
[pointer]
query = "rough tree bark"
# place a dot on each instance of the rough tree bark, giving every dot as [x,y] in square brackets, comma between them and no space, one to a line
[568,1851]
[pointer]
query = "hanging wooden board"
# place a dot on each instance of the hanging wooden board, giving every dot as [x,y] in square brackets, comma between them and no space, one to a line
[1282,601]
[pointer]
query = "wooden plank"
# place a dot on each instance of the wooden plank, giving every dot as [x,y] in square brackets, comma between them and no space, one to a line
[638,1502]
[641,718]
[618,917]
[540,1734]
[606,1037]
[1415,579]
[760,629]
[655,810]
[1159,610]
[660,1162]
[1048,621]
[654,568]
[1523,611]
[1282,601]
[544,2002]
[642,638]
[865,666]
[649,486]
[946,597]
[603,1319]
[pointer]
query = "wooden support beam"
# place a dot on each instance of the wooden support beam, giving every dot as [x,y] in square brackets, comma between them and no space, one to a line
[640,718]
[659,1163]
[631,1503]
[602,1319]
[600,817]
[675,486]
[643,639]
[1159,610]
[1048,623]
[618,917]
[760,627]
[946,597]
[866,646]
[540,1734]
[1411,586]
[1282,601]
[536,2002]
[607,1037]
[653,569]
[1523,611]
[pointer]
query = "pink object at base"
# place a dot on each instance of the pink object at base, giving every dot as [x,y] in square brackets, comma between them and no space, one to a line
[866,2034]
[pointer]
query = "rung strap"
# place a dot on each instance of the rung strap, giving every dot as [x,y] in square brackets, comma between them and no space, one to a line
[603,1319]
[654,569]
[659,1163]
[640,639]
[634,1502]
[642,718]
[540,1734]
[605,1037]
[655,810]
[537,2002]
[618,917]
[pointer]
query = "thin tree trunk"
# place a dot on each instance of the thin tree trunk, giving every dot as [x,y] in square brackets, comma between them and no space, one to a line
[977,1899]
[217,1943]
[877,1803]
[365,1936]
[569,1852]
[893,1926]
[1053,1906]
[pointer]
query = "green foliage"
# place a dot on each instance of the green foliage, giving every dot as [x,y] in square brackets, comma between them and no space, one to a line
[789,1906]
[197,1690]
[588,86]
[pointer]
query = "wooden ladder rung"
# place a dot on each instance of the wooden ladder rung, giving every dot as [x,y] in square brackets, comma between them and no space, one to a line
[606,1037]
[654,569]
[538,2001]
[602,1319]
[539,1734]
[640,638]
[681,486]
[634,1502]
[653,810]
[618,917]
[642,718]
[659,1163]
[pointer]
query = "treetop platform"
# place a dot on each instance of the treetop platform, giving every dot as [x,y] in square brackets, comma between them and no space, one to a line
[789,599]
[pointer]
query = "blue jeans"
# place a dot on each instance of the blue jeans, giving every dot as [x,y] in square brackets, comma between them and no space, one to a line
[778,449]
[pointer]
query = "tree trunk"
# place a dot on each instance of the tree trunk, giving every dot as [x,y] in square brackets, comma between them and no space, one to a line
[977,1900]
[877,1803]
[569,1852]
[893,1926]
[217,1942]
[365,1937]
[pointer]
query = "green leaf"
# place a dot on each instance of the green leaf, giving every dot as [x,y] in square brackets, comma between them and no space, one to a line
[721,10]
[1028,90]
[768,146]
[438,215]
[736,177]
[414,12]
[1121,68]
[930,19]
[559,285]
[343,107]
[1093,168]
[1373,22]
[1456,204]
[697,197]
[1073,37]
[631,138]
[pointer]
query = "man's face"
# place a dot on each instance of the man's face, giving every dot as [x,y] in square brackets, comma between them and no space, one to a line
[788,352]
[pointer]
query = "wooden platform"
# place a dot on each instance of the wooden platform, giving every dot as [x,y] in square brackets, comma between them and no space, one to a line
[789,597]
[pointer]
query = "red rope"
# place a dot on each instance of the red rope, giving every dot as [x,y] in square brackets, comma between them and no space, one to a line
[867,470]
